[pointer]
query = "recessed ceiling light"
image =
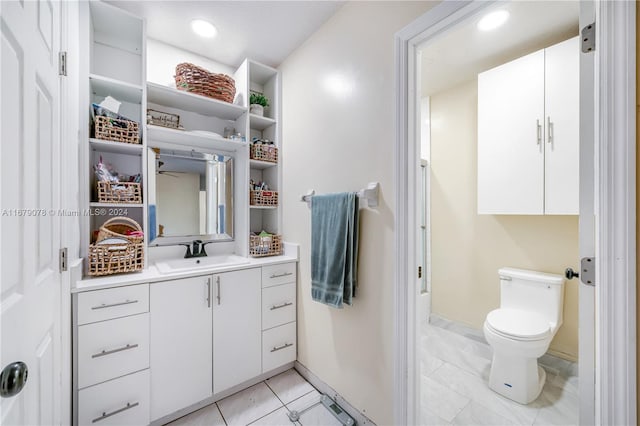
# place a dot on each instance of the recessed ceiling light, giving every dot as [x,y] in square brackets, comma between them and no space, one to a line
[493,20]
[203,28]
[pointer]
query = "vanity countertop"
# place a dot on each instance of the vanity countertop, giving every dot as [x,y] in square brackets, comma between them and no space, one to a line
[151,274]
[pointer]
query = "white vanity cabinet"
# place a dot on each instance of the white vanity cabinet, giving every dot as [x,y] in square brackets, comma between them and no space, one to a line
[111,356]
[236,328]
[181,346]
[528,129]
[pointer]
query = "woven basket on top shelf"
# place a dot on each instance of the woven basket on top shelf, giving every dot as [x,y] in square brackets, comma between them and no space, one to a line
[113,129]
[115,258]
[265,246]
[194,79]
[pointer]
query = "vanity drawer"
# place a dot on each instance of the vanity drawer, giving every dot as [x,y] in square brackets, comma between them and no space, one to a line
[113,348]
[123,401]
[278,346]
[278,274]
[278,305]
[100,305]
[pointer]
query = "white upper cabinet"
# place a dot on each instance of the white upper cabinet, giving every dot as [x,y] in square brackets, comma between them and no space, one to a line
[528,134]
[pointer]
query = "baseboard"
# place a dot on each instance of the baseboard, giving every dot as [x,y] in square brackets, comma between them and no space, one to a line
[324,388]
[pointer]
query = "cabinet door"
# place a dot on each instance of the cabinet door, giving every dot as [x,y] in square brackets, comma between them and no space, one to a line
[510,133]
[236,328]
[562,108]
[181,352]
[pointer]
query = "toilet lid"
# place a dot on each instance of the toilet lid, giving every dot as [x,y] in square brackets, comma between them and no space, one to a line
[519,324]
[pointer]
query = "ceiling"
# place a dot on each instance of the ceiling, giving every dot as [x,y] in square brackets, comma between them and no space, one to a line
[265,31]
[458,55]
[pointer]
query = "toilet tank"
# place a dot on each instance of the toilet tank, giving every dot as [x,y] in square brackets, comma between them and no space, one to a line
[533,291]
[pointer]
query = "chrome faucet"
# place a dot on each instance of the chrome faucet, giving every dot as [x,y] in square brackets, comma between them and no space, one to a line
[195,249]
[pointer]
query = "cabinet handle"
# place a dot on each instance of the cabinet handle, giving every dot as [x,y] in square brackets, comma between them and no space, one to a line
[127,302]
[113,413]
[274,307]
[281,275]
[113,351]
[539,128]
[277,348]
[549,130]
[218,285]
[208,292]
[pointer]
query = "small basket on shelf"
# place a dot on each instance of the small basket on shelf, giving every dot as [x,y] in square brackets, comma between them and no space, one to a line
[125,253]
[263,198]
[194,79]
[268,245]
[263,152]
[118,130]
[119,192]
[163,119]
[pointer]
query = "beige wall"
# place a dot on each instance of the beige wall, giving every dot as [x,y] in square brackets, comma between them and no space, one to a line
[339,140]
[467,248]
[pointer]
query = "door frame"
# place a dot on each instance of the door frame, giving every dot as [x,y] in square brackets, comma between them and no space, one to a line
[615,169]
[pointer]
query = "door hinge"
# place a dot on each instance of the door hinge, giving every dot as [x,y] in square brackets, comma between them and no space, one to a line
[63,259]
[588,37]
[62,63]
[588,270]
[419,271]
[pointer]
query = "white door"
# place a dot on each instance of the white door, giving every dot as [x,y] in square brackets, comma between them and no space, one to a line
[237,331]
[562,124]
[29,228]
[587,232]
[180,344]
[510,131]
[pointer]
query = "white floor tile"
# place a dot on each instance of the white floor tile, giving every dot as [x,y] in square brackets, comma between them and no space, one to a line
[475,414]
[477,389]
[277,418]
[249,405]
[429,418]
[557,407]
[207,416]
[440,399]
[289,386]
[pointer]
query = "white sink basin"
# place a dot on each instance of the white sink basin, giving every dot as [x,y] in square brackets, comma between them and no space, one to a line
[169,266]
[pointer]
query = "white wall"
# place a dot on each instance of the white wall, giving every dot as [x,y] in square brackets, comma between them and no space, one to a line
[338,135]
[162,59]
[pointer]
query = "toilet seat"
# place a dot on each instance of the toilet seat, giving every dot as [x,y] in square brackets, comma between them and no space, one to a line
[518,324]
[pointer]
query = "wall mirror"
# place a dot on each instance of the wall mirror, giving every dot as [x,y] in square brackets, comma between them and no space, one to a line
[190,196]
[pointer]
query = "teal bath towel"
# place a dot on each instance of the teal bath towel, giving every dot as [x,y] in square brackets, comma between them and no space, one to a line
[334,248]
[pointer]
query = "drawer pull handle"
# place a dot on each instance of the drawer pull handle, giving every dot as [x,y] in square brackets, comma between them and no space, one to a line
[274,307]
[113,351]
[277,348]
[286,274]
[128,302]
[113,413]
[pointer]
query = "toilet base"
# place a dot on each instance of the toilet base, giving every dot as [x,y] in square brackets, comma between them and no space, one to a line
[519,379]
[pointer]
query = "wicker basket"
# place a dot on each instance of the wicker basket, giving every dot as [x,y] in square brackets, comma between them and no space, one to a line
[113,129]
[263,152]
[265,246]
[119,192]
[117,227]
[191,78]
[107,259]
[263,198]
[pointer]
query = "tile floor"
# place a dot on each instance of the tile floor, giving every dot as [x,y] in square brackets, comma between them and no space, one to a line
[265,404]
[455,365]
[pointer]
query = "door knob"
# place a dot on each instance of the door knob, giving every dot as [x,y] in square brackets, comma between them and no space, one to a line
[13,378]
[570,274]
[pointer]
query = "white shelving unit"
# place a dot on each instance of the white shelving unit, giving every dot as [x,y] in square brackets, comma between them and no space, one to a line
[113,63]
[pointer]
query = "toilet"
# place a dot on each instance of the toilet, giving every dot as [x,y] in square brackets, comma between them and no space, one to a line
[521,330]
